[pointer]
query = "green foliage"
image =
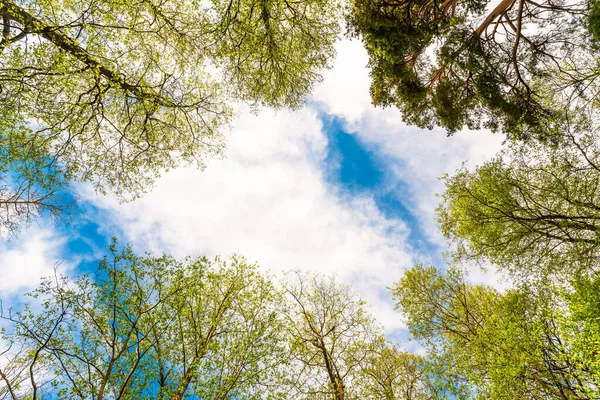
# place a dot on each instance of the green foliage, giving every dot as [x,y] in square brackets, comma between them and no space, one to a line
[31,182]
[389,373]
[583,326]
[533,211]
[330,333]
[593,20]
[272,51]
[518,344]
[157,328]
[153,328]
[473,63]
[118,92]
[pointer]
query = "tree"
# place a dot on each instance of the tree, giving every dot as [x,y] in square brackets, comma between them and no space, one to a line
[517,344]
[148,328]
[330,333]
[514,65]
[30,182]
[116,92]
[338,352]
[533,210]
[583,327]
[157,328]
[389,373]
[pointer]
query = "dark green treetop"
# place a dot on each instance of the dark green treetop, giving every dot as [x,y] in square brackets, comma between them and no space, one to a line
[516,66]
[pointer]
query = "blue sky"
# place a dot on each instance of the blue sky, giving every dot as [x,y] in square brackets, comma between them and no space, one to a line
[351,167]
[336,187]
[358,168]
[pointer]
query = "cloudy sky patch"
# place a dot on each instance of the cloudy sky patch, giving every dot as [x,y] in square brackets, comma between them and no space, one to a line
[336,187]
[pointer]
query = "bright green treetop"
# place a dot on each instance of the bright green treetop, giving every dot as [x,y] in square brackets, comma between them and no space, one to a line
[524,343]
[533,211]
[119,91]
[330,332]
[152,328]
[157,328]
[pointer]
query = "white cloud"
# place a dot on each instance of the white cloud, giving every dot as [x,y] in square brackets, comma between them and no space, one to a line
[417,157]
[345,88]
[27,259]
[488,275]
[420,157]
[24,261]
[268,201]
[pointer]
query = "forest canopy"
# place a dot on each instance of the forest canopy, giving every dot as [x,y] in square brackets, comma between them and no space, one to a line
[160,328]
[115,92]
[532,210]
[519,66]
[532,342]
[157,328]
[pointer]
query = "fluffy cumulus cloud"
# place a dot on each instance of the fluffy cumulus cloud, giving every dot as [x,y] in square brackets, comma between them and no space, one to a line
[417,157]
[345,88]
[269,201]
[24,261]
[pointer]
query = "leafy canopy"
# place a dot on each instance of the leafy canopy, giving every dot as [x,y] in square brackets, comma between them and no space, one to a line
[158,328]
[530,210]
[115,92]
[513,65]
[153,328]
[527,342]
